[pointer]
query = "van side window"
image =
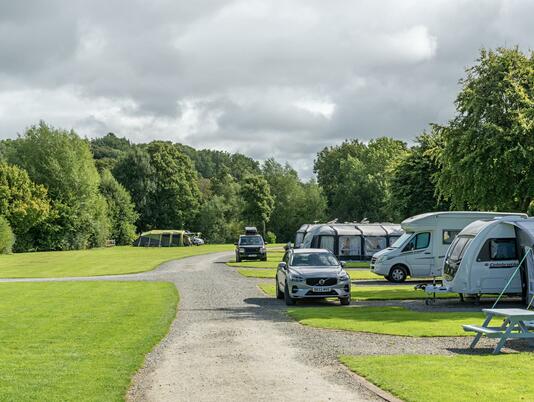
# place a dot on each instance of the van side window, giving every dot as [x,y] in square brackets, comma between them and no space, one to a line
[449,235]
[418,242]
[498,250]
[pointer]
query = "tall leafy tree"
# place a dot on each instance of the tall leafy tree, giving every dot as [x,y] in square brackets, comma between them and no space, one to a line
[23,203]
[108,150]
[257,199]
[176,197]
[62,162]
[295,203]
[412,186]
[136,173]
[486,161]
[120,207]
[355,178]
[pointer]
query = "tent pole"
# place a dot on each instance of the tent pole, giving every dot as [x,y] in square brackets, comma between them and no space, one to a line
[512,277]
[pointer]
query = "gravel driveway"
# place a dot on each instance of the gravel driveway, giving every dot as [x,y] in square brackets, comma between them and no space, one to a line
[231,342]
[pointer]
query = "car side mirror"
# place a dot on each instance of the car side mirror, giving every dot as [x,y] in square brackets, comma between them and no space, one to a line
[342,263]
[282,265]
[265,243]
[235,244]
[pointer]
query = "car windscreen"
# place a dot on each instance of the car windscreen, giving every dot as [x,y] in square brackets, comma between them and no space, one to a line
[401,240]
[321,259]
[250,241]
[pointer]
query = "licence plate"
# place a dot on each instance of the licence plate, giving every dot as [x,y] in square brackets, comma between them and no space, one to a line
[320,290]
[252,255]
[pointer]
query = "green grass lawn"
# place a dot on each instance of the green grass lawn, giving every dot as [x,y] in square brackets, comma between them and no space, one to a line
[387,320]
[449,378]
[379,292]
[270,273]
[78,341]
[101,261]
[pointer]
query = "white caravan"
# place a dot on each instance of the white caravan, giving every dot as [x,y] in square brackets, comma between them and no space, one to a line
[420,251]
[485,255]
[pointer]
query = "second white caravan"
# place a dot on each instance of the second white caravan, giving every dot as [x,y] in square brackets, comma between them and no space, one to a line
[420,251]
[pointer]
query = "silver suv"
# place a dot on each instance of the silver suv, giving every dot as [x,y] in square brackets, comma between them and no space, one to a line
[311,273]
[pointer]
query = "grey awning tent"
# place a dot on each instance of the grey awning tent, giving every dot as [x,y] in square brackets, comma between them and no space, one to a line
[525,240]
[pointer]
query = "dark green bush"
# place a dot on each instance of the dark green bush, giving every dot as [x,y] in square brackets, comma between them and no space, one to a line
[6,236]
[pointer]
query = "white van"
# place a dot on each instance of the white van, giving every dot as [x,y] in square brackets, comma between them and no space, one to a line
[485,255]
[420,251]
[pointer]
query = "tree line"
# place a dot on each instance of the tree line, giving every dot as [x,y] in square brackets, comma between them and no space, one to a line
[59,191]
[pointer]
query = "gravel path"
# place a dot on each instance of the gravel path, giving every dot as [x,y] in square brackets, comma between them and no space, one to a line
[231,342]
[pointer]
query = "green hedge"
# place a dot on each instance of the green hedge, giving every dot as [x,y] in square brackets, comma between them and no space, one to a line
[6,236]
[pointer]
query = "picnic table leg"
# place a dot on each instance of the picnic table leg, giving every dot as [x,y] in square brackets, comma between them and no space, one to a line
[479,335]
[504,338]
[525,330]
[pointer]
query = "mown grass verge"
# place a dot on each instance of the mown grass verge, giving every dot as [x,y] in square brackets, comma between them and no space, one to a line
[101,261]
[380,292]
[78,341]
[449,378]
[386,320]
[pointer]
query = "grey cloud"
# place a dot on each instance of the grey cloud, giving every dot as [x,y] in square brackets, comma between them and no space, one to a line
[231,74]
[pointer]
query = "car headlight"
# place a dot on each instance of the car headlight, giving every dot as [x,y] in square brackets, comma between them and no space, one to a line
[296,278]
[344,277]
[241,250]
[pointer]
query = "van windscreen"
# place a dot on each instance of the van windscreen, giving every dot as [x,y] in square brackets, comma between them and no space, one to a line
[401,240]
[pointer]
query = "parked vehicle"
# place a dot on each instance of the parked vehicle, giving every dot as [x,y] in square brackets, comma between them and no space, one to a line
[485,255]
[250,247]
[197,241]
[420,251]
[352,241]
[311,273]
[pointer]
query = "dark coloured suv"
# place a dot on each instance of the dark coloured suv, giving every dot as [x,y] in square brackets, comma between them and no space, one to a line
[250,247]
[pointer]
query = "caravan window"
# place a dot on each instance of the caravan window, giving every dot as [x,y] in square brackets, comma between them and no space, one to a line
[327,242]
[459,247]
[350,245]
[373,244]
[498,250]
[449,235]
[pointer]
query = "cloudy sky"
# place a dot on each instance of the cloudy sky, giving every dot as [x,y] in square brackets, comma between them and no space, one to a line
[267,78]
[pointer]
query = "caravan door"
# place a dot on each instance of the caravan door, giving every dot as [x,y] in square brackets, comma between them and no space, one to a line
[495,264]
[419,255]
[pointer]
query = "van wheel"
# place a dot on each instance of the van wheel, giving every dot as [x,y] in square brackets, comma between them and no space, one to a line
[279,295]
[397,274]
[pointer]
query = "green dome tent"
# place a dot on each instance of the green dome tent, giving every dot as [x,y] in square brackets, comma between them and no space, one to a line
[163,238]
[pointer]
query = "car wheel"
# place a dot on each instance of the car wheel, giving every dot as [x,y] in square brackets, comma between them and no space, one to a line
[397,274]
[279,294]
[237,258]
[287,298]
[264,259]
[345,301]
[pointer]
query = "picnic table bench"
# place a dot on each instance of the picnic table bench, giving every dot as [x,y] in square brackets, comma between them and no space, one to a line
[515,325]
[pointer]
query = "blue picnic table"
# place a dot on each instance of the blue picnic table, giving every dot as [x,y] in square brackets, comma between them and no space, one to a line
[515,325]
